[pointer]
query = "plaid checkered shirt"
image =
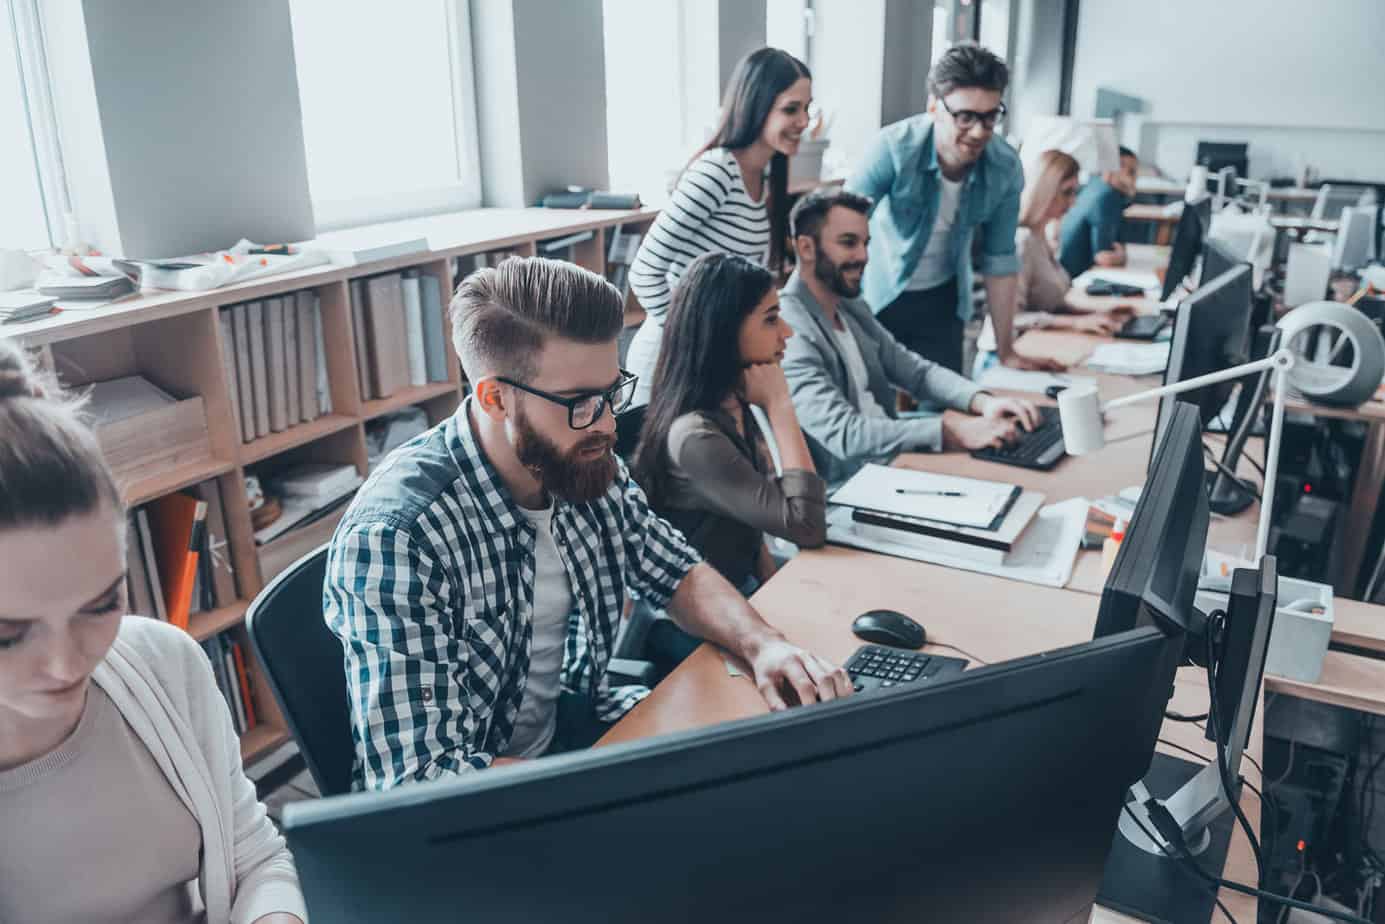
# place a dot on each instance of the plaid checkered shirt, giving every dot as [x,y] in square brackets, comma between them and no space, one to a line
[430,587]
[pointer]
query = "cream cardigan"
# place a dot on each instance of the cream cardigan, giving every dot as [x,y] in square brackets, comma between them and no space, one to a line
[162,683]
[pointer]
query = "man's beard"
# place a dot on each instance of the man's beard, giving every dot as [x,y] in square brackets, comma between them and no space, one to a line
[566,475]
[831,275]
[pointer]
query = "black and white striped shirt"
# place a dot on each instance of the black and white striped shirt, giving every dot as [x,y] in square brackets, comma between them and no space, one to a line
[709,212]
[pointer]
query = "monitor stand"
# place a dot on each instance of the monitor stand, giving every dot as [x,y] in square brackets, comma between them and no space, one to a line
[1226,496]
[1140,879]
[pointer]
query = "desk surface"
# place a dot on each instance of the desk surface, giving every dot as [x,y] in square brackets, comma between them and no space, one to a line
[816,596]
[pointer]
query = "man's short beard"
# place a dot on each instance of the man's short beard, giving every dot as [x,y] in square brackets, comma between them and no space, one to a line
[565,475]
[830,275]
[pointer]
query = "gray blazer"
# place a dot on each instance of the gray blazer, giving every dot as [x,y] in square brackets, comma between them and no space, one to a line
[840,437]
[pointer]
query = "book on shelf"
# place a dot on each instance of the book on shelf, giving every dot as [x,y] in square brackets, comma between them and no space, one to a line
[307,493]
[305,306]
[361,339]
[365,245]
[141,585]
[324,392]
[275,365]
[227,333]
[151,563]
[227,659]
[245,384]
[434,328]
[255,323]
[292,361]
[413,327]
[177,522]
[384,310]
[217,550]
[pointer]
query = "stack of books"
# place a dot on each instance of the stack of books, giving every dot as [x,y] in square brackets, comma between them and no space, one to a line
[24,305]
[177,558]
[307,493]
[620,256]
[275,361]
[228,659]
[400,336]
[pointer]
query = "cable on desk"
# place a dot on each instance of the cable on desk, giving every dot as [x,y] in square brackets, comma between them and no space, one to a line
[966,654]
[1180,717]
[1155,839]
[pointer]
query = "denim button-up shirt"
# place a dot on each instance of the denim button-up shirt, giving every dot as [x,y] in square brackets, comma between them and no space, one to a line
[901,174]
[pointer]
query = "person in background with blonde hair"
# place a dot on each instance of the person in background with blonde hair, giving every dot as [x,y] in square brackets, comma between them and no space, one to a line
[122,796]
[1045,288]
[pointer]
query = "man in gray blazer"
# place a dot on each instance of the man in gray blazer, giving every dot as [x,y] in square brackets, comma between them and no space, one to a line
[844,367]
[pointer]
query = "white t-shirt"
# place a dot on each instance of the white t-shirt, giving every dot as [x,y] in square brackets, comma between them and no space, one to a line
[538,710]
[935,266]
[856,368]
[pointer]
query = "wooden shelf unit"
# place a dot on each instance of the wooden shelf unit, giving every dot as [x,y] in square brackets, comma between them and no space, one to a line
[174,339]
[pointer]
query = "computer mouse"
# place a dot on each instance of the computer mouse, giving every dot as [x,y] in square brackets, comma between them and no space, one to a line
[886,627]
[1053,391]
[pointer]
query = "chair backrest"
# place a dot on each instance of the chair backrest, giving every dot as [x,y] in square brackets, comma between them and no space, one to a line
[629,423]
[306,671]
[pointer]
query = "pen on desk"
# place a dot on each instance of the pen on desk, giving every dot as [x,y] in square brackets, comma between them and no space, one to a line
[929,493]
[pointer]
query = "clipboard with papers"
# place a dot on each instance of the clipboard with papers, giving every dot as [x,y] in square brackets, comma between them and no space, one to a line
[943,500]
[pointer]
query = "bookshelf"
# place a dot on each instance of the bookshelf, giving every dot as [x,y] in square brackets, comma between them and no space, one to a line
[174,340]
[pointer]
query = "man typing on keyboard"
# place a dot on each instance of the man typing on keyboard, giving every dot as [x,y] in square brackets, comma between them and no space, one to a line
[844,367]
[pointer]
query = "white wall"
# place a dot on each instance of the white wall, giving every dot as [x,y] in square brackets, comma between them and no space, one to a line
[848,59]
[1302,83]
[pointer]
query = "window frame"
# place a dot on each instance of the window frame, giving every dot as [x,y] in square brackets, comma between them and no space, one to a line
[25,24]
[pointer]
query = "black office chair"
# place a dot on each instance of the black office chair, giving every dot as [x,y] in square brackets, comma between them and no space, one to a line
[303,662]
[629,423]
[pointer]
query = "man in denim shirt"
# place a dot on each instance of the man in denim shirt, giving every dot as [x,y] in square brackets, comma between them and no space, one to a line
[940,179]
[1088,235]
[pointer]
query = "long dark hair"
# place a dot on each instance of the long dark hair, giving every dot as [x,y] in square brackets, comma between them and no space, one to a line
[755,84]
[699,360]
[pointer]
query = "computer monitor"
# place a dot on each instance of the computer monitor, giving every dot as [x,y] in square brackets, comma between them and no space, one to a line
[991,797]
[1154,578]
[1187,244]
[1354,246]
[1218,257]
[1211,332]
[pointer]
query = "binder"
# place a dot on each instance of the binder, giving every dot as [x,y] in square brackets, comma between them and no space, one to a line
[275,366]
[385,316]
[151,564]
[255,315]
[177,523]
[361,339]
[228,366]
[413,321]
[434,328]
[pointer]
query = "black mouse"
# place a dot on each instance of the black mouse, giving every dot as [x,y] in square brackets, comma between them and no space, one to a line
[1053,391]
[886,627]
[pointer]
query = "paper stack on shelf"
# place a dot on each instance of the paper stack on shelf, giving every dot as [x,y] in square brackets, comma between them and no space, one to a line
[306,493]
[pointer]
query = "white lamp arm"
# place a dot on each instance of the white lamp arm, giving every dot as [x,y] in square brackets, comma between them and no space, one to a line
[1281,359]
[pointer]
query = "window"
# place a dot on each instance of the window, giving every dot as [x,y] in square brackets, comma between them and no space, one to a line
[661,90]
[788,23]
[24,225]
[389,120]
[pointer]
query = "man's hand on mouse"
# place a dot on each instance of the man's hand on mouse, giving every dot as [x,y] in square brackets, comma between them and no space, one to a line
[786,675]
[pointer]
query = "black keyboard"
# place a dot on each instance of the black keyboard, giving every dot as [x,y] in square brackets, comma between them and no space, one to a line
[1040,448]
[874,667]
[1143,327]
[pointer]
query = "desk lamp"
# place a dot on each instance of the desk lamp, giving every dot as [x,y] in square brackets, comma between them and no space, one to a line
[1291,365]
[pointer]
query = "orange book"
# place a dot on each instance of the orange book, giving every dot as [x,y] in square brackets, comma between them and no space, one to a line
[178,523]
[244,680]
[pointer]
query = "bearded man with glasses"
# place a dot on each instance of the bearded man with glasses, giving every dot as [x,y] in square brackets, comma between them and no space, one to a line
[478,579]
[944,186]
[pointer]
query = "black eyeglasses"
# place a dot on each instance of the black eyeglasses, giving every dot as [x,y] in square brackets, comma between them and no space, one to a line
[585,410]
[966,119]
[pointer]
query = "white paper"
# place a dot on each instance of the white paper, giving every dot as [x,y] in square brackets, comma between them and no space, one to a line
[1004,378]
[1130,358]
[878,487]
[1143,279]
[1044,554]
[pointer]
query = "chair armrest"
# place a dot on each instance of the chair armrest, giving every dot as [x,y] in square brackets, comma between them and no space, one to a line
[623,671]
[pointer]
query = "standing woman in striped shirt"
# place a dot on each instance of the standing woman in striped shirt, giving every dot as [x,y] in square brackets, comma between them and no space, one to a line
[721,204]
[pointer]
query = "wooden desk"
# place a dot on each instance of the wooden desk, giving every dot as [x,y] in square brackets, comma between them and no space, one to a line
[1162,217]
[813,600]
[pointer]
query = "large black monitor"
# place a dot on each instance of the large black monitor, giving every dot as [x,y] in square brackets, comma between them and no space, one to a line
[991,797]
[1211,332]
[1218,258]
[1187,244]
[1154,578]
